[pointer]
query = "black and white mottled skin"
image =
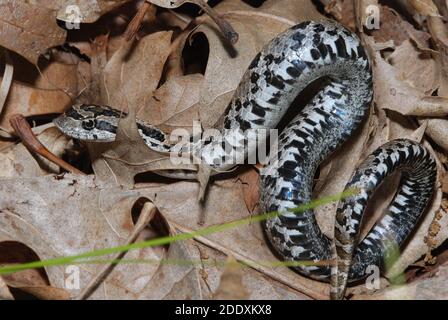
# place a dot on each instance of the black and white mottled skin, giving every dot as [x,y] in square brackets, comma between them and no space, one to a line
[418,177]
[277,75]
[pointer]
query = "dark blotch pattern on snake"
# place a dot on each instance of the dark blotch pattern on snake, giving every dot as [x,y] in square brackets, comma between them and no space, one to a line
[277,75]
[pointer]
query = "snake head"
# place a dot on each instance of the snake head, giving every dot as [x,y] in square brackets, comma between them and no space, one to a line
[89,122]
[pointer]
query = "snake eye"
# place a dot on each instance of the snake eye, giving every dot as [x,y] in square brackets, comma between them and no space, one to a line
[88,124]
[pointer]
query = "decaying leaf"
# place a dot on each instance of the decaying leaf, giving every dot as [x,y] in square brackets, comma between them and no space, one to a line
[179,68]
[16,161]
[30,101]
[231,286]
[39,219]
[425,7]
[29,37]
[175,104]
[427,289]
[134,70]
[5,294]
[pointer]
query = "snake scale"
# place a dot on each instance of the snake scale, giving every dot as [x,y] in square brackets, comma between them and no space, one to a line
[288,64]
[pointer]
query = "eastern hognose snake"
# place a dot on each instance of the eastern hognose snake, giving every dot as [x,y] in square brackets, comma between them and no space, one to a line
[276,76]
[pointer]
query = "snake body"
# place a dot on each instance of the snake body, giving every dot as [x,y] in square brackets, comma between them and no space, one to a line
[277,75]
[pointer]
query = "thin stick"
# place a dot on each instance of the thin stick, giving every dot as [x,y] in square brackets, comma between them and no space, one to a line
[136,22]
[23,130]
[147,213]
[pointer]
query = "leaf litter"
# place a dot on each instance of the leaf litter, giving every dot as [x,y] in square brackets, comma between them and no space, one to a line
[56,214]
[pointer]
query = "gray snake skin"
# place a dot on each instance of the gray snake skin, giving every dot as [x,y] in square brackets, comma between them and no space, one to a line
[277,75]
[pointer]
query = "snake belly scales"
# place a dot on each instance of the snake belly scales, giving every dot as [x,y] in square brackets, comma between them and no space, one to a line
[276,76]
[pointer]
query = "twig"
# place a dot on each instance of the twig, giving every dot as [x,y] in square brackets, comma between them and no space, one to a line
[136,22]
[23,130]
[147,213]
[227,30]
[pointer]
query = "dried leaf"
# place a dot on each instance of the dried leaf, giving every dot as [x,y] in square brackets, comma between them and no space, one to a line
[118,162]
[135,69]
[398,95]
[395,28]
[425,7]
[18,162]
[231,286]
[30,101]
[174,104]
[5,294]
[6,78]
[41,292]
[433,288]
[28,37]
[251,188]
[93,218]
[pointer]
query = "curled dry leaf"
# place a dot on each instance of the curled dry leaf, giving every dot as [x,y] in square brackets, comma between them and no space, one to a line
[51,91]
[6,81]
[342,10]
[394,27]
[226,29]
[251,188]
[16,161]
[5,294]
[438,128]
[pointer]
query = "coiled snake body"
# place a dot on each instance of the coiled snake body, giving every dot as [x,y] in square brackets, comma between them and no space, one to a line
[285,66]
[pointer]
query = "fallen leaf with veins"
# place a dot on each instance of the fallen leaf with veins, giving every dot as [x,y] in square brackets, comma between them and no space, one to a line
[31,101]
[16,161]
[134,70]
[250,179]
[93,219]
[412,102]
[29,37]
[174,104]
[426,289]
